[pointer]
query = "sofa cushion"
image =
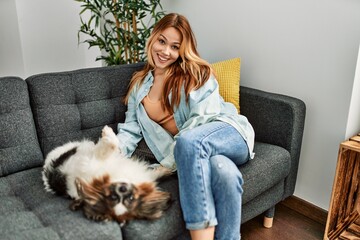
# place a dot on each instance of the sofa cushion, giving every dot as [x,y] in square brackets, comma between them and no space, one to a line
[77,104]
[28,212]
[19,148]
[270,165]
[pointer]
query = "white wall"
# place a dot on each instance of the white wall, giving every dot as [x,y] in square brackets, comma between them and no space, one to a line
[353,125]
[11,57]
[43,36]
[307,49]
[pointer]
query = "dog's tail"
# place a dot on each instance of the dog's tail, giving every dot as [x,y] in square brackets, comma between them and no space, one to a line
[55,180]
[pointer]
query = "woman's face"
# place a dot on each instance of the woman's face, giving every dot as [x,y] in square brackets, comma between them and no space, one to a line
[165,50]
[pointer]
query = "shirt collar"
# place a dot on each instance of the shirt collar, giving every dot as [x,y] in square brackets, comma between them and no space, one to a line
[149,77]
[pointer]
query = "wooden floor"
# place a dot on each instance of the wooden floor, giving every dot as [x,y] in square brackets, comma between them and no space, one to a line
[288,225]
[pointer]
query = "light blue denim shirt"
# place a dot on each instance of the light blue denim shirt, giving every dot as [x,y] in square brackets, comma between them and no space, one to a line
[205,105]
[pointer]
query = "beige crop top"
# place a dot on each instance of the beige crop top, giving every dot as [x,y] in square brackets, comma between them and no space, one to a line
[160,116]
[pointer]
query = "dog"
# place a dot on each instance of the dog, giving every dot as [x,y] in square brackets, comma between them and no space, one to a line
[104,183]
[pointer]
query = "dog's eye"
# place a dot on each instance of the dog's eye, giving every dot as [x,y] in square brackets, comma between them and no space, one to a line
[114,197]
[130,198]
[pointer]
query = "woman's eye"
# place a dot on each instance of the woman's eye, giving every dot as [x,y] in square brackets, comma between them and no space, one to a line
[175,47]
[161,41]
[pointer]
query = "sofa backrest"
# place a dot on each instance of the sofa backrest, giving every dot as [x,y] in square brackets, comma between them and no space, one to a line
[19,147]
[74,105]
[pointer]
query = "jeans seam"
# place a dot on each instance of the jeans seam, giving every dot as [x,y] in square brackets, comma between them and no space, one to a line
[205,206]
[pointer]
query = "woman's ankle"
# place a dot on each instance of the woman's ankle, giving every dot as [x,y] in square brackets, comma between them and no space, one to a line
[203,234]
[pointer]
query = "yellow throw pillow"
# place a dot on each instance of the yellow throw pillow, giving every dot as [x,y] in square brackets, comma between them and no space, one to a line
[228,75]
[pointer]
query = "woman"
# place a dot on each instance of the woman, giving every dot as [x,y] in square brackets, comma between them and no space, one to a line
[174,104]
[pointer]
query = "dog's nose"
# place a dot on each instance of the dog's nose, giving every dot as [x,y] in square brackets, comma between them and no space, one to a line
[122,188]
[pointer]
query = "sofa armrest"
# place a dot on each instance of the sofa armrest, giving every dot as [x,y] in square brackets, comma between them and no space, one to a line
[277,119]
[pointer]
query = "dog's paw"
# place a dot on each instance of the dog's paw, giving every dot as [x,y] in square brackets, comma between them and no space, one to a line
[109,138]
[107,131]
[160,171]
[98,217]
[107,145]
[76,204]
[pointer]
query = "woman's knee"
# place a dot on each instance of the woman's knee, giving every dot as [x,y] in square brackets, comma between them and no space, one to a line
[225,173]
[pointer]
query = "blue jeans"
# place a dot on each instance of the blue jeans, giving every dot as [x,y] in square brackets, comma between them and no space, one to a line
[210,183]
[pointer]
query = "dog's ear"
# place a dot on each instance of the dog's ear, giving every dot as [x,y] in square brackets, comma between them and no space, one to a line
[153,201]
[77,204]
[93,191]
[146,188]
[86,192]
[79,187]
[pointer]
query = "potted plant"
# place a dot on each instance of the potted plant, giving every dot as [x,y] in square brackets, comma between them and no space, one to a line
[120,28]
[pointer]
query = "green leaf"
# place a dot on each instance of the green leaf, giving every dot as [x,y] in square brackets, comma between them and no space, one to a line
[110,27]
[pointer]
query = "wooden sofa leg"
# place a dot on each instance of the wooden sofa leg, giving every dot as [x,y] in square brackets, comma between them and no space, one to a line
[268,222]
[269,217]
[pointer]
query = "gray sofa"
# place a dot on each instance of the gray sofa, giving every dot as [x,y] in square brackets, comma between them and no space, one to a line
[47,110]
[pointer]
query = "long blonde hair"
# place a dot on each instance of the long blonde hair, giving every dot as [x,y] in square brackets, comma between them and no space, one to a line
[190,70]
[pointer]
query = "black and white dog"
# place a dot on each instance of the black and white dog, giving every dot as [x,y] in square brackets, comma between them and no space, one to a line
[103,182]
